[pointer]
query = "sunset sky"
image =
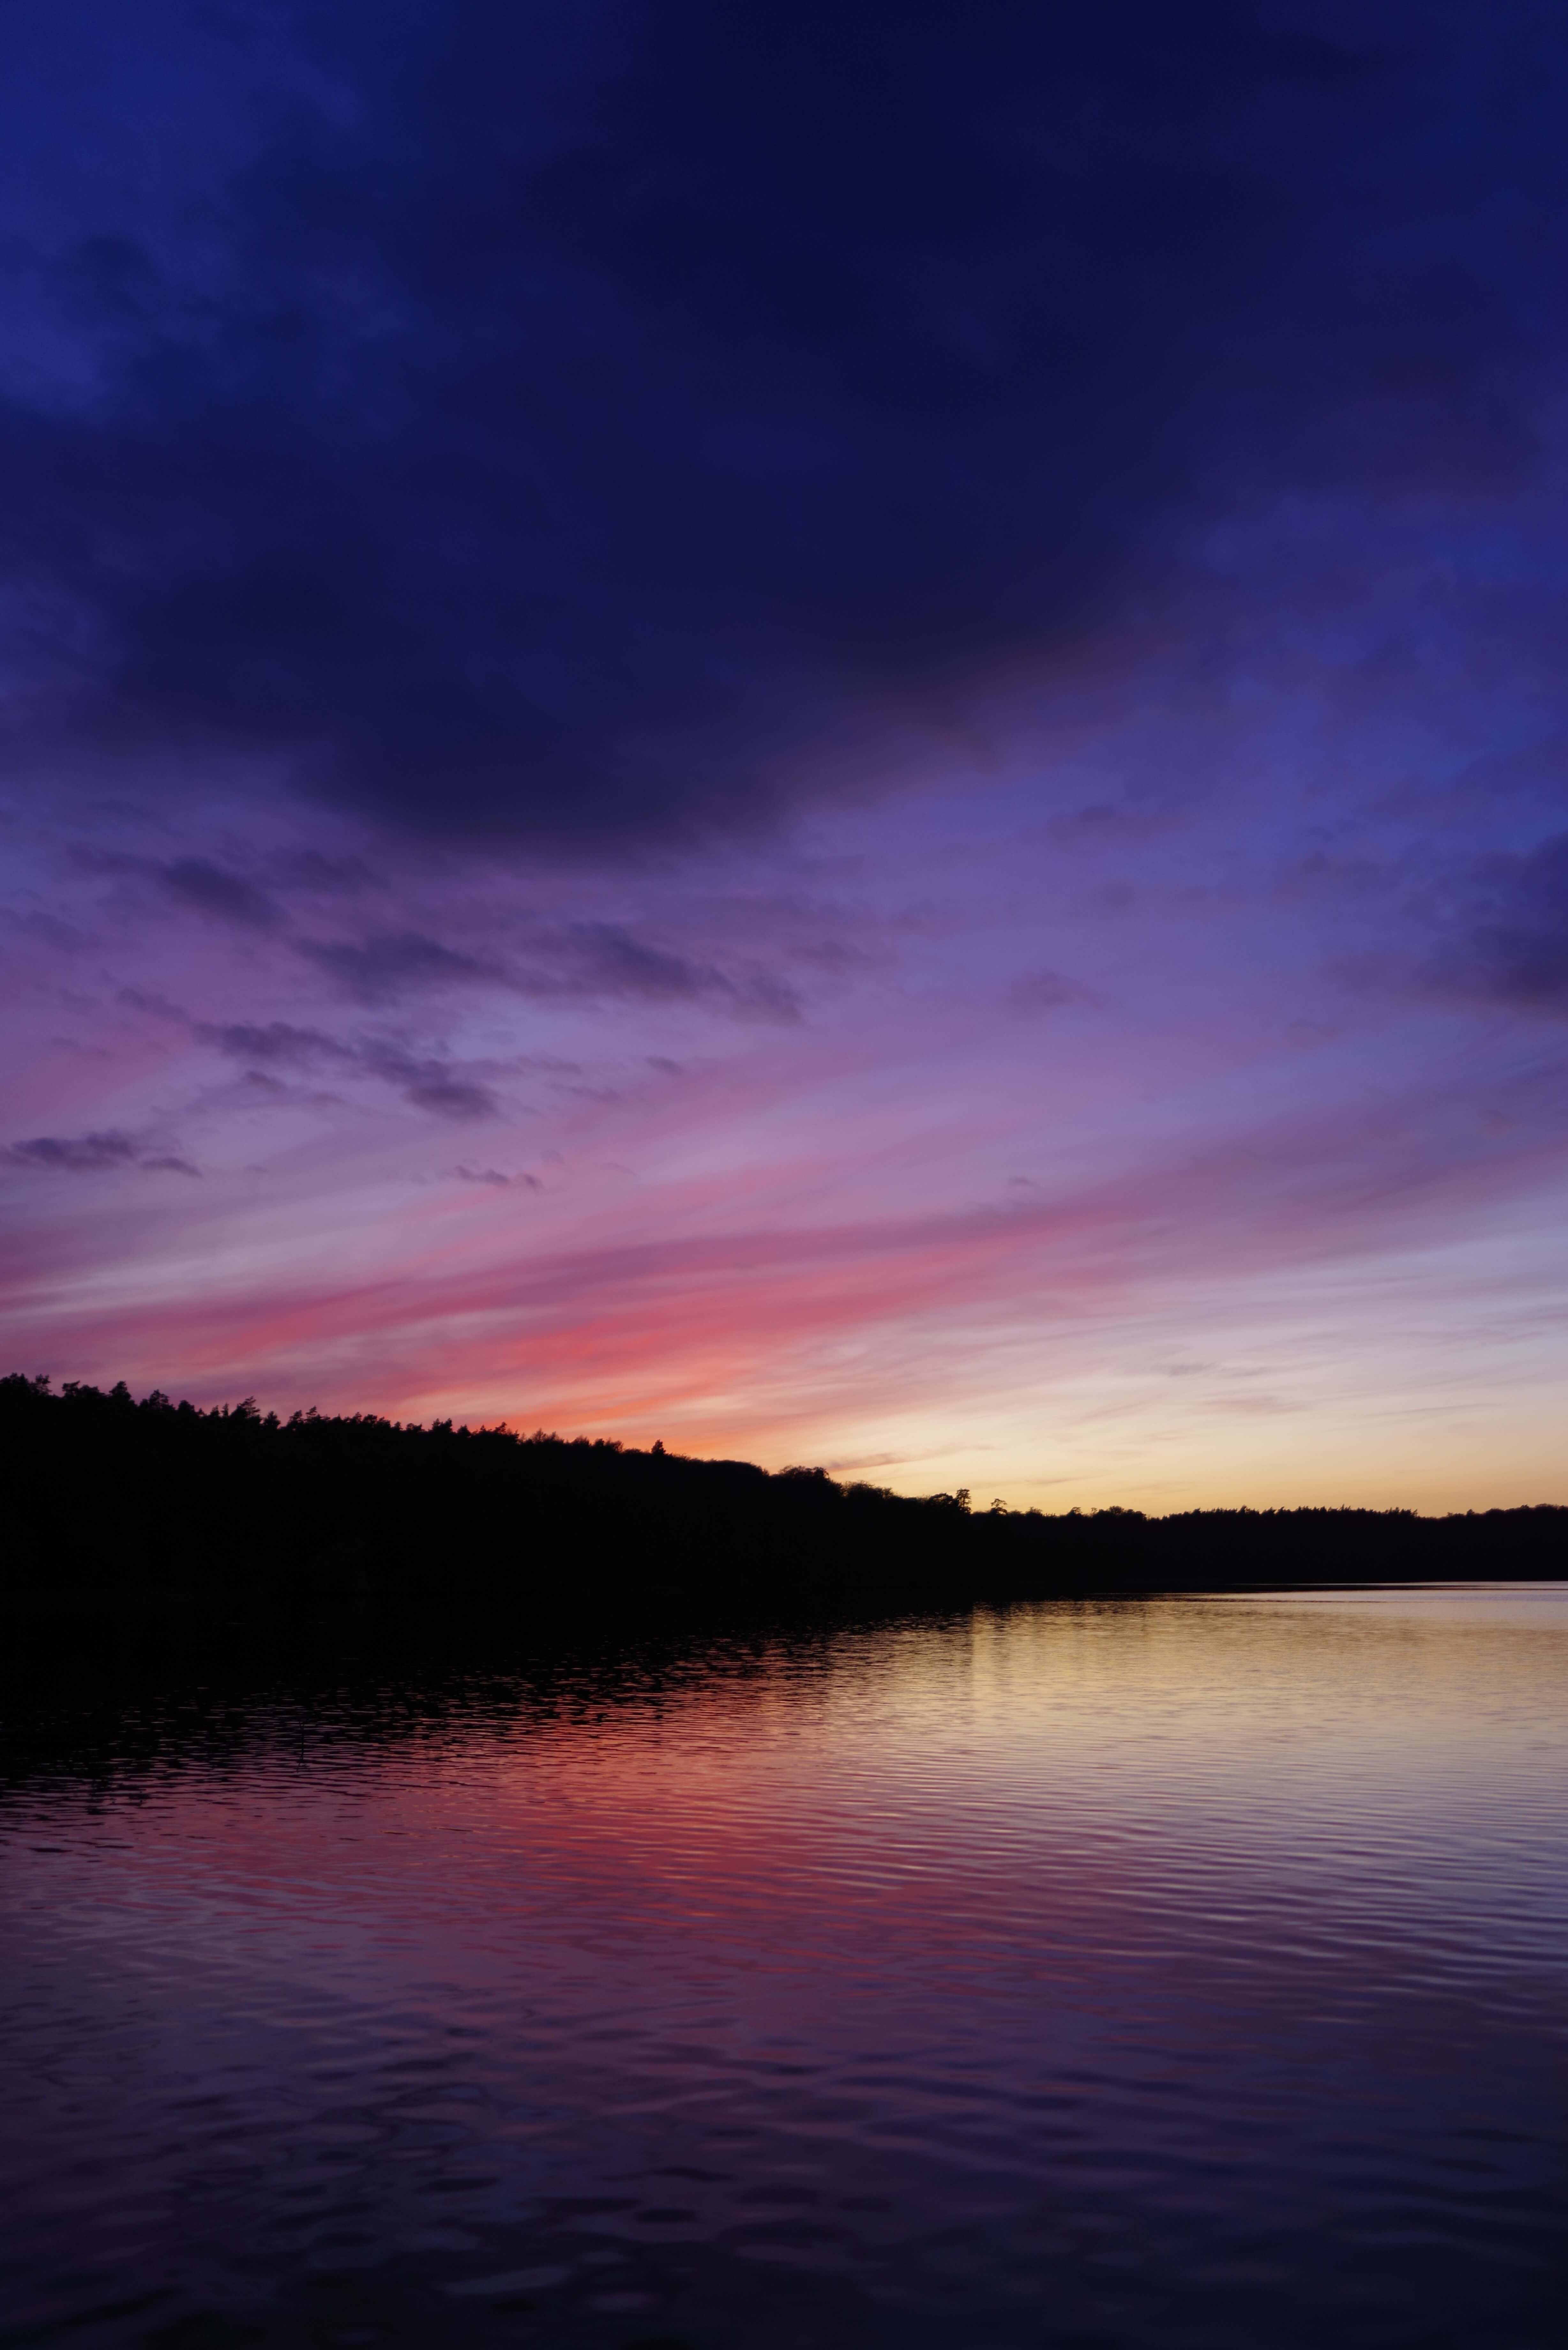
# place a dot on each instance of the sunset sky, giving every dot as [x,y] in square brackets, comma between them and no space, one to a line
[838,733]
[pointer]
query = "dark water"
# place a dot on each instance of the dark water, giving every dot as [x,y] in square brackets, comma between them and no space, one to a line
[1187,1972]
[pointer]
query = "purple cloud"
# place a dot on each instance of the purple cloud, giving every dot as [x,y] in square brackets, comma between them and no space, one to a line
[92,1154]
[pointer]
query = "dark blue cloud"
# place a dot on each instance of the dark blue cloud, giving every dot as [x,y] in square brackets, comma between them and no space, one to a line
[423,1079]
[1507,938]
[75,1154]
[393,963]
[564,424]
[197,882]
[272,1043]
[585,962]
[92,1154]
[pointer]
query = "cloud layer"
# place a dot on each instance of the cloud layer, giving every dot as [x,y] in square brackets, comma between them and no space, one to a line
[836,733]
[602,427]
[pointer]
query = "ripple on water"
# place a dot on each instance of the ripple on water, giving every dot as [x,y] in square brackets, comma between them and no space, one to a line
[1188,1972]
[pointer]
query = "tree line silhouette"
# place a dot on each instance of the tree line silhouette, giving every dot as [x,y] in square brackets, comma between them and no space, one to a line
[155,1515]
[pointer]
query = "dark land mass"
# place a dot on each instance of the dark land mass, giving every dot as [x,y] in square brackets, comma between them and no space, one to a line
[149,1524]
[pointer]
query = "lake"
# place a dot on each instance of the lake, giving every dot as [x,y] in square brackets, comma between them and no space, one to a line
[1181,1972]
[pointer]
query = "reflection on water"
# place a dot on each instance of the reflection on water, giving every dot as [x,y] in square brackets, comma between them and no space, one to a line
[1187,1972]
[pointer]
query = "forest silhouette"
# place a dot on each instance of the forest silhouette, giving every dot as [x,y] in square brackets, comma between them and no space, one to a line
[161,1518]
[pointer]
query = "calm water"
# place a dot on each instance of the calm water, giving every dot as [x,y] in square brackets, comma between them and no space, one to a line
[1187,1972]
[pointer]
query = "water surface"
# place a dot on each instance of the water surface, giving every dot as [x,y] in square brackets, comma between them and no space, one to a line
[1187,1972]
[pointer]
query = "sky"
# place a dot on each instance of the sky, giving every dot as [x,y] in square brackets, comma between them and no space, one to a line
[839,736]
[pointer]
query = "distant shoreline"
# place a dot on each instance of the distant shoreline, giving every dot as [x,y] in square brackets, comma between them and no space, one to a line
[149,1523]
